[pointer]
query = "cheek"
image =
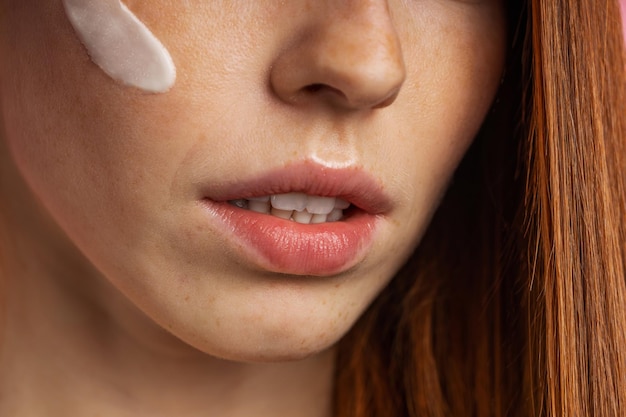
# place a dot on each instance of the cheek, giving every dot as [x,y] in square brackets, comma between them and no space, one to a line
[454,65]
[455,59]
[70,130]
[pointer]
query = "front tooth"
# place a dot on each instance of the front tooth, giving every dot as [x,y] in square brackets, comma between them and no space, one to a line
[320,205]
[259,206]
[319,218]
[303,217]
[283,214]
[289,201]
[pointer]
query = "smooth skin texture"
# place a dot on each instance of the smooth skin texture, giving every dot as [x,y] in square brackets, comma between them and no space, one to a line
[123,296]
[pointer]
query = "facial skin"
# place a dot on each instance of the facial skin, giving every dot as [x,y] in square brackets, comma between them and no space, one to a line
[401,88]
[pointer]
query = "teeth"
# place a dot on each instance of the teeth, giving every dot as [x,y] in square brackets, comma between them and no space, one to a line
[320,205]
[240,203]
[341,204]
[335,215]
[259,206]
[303,217]
[283,214]
[319,218]
[291,201]
[298,207]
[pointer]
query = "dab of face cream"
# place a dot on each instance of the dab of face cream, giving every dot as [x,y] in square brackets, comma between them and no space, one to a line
[121,45]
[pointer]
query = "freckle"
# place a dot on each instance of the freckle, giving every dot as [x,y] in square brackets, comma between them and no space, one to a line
[187,298]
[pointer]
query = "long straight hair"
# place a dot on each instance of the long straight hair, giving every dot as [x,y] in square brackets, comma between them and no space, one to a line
[514,304]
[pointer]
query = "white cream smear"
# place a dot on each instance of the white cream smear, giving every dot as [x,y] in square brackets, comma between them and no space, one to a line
[121,45]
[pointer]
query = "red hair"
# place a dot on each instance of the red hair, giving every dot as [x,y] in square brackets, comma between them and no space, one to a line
[514,304]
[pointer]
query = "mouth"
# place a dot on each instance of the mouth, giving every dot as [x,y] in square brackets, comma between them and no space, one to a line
[303,219]
[298,207]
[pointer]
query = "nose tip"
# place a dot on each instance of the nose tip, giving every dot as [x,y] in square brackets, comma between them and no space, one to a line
[356,63]
[368,75]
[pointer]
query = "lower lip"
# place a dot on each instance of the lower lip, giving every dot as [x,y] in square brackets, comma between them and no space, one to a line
[289,247]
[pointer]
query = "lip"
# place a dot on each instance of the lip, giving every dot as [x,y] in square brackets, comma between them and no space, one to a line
[287,247]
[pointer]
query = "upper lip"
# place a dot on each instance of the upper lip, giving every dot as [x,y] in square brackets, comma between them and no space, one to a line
[351,184]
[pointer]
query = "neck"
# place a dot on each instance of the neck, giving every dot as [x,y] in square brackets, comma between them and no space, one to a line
[71,344]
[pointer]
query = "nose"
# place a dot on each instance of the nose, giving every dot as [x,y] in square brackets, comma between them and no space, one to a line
[347,55]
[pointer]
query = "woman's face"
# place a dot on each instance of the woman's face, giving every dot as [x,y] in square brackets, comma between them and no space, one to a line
[373,102]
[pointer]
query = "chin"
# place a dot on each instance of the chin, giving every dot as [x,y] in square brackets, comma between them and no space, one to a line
[263,348]
[276,354]
[261,329]
[269,341]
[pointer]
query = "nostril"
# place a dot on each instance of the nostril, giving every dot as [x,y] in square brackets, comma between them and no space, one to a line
[323,88]
[317,89]
[314,88]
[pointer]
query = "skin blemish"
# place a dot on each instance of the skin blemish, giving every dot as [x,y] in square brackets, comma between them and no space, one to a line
[121,45]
